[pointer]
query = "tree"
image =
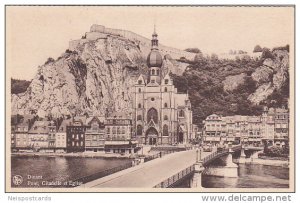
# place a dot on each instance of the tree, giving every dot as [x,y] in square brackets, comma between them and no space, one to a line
[257,48]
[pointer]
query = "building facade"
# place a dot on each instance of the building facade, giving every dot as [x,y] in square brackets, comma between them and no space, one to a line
[61,136]
[118,131]
[160,114]
[95,134]
[76,135]
[38,136]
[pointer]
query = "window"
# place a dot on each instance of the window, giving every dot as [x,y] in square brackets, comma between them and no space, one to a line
[140,82]
[123,130]
[165,117]
[166,81]
[152,99]
[139,106]
[118,130]
[166,105]
[152,114]
[140,90]
[139,130]
[165,130]
[153,72]
[152,81]
[114,130]
[108,130]
[166,89]
[181,113]
[139,117]
[157,72]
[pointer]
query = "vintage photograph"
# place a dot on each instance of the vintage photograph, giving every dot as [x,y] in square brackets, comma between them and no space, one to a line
[149,98]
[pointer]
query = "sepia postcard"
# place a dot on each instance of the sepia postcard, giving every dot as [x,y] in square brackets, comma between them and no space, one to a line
[150,98]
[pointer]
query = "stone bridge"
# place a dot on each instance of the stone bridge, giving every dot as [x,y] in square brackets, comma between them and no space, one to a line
[172,169]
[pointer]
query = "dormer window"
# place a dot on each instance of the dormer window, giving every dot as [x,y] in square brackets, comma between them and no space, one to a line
[140,82]
[152,81]
[153,72]
[166,81]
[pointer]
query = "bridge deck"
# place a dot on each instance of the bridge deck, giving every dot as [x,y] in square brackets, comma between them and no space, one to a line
[148,174]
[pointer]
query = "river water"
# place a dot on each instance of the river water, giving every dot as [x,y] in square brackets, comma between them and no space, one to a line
[34,170]
[37,170]
[250,176]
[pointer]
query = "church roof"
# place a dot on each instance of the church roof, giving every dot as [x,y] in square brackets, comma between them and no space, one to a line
[154,59]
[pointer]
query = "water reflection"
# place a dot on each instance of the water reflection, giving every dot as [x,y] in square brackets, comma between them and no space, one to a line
[251,176]
[59,168]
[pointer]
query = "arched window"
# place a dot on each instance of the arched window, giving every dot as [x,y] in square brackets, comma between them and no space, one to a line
[139,117]
[140,106]
[165,130]
[152,114]
[153,72]
[181,113]
[139,130]
[165,117]
[157,72]
[166,89]
[140,90]
[166,105]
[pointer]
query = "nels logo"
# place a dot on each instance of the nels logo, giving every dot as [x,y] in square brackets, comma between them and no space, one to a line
[17,180]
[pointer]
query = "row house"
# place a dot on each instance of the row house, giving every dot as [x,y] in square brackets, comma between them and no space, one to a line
[118,131]
[272,127]
[38,136]
[76,134]
[61,136]
[281,120]
[95,134]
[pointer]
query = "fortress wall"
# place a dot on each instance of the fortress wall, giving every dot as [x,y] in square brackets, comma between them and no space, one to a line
[100,31]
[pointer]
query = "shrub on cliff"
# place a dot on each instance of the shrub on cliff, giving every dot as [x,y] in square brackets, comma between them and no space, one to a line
[19,86]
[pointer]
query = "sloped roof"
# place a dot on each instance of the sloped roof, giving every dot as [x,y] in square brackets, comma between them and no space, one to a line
[40,127]
[63,125]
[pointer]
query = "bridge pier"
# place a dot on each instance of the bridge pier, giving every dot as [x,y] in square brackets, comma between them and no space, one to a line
[231,169]
[242,158]
[196,180]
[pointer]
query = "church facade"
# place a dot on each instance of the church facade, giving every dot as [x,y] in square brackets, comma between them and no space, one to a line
[160,114]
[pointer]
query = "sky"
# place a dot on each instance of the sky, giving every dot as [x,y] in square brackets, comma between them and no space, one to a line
[35,33]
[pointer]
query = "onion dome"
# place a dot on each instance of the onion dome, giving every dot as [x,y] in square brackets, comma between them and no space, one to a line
[154,59]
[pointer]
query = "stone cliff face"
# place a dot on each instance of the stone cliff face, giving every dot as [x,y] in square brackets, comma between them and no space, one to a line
[272,75]
[96,76]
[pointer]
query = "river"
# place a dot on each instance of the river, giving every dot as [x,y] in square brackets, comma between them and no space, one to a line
[250,176]
[35,170]
[70,168]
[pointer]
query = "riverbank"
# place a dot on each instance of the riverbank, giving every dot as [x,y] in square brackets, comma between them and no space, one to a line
[266,162]
[81,154]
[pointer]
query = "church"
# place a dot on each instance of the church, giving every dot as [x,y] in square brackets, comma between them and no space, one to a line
[160,114]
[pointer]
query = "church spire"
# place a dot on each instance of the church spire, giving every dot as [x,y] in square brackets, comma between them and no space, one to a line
[154,41]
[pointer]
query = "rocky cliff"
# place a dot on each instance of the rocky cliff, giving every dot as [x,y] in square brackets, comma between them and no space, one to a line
[271,76]
[95,76]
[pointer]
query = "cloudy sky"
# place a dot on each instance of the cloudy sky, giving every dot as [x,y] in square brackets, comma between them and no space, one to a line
[35,33]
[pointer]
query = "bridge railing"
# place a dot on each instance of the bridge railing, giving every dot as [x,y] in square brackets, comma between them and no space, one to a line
[89,178]
[220,153]
[158,155]
[171,181]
